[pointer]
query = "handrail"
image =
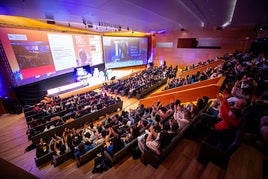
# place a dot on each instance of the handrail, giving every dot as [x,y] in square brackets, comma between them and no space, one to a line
[185,96]
[193,85]
[201,68]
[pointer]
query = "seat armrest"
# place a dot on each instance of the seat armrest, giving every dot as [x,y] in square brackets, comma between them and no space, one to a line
[108,158]
[217,154]
[149,157]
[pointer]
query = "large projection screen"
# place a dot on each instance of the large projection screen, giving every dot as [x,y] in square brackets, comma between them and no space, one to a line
[125,51]
[37,55]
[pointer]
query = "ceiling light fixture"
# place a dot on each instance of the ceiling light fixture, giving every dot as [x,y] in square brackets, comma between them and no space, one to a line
[231,14]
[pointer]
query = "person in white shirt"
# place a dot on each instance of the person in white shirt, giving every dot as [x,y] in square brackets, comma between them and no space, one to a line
[181,115]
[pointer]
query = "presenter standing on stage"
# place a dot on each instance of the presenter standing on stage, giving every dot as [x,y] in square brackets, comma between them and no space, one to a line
[105,73]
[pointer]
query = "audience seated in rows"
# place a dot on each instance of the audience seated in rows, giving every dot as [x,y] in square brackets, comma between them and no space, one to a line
[141,81]
[198,76]
[200,63]
[225,116]
[75,108]
[42,148]
[237,106]
[78,141]
[169,121]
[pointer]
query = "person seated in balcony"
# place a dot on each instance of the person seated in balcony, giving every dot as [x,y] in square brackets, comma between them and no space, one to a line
[208,118]
[48,127]
[114,145]
[47,99]
[59,146]
[223,130]
[60,122]
[157,141]
[173,128]
[142,138]
[163,113]
[230,117]
[242,90]
[181,115]
[42,148]
[100,138]
[55,139]
[133,133]
[33,123]
[81,149]
[77,114]
[142,125]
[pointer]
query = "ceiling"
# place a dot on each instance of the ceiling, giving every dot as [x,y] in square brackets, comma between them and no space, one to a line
[142,15]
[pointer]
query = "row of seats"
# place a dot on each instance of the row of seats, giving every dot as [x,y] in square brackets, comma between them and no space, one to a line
[153,159]
[78,123]
[63,107]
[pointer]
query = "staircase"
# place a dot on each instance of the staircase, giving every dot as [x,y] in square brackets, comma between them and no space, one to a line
[182,162]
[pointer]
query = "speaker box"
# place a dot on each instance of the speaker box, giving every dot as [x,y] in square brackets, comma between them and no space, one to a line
[51,22]
[12,106]
[187,43]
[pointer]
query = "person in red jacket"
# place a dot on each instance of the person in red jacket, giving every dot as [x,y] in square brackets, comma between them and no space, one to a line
[231,117]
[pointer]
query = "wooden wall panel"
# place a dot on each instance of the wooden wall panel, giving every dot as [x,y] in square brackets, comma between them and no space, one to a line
[185,87]
[184,96]
[229,40]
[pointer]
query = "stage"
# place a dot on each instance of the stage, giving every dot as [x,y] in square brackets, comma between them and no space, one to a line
[91,83]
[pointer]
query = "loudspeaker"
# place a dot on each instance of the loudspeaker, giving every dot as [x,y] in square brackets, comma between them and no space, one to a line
[187,43]
[2,106]
[12,106]
[51,22]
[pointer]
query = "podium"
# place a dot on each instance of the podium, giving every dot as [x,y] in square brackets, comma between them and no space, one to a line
[84,80]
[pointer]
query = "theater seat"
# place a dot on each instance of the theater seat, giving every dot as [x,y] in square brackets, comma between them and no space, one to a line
[217,155]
